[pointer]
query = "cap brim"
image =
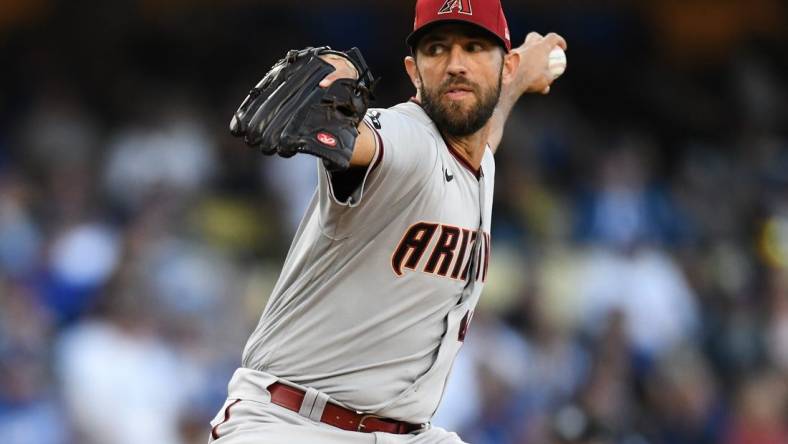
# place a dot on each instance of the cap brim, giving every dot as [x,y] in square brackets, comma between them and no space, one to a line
[413,39]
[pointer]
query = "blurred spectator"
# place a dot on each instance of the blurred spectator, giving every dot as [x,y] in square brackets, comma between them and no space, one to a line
[778,321]
[81,260]
[624,210]
[20,237]
[29,408]
[168,152]
[684,393]
[760,411]
[649,291]
[627,271]
[59,131]
[120,382]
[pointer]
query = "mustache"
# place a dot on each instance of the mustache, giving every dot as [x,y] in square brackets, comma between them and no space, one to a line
[458,83]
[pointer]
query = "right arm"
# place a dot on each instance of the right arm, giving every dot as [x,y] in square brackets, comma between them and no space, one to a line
[364,151]
[532,76]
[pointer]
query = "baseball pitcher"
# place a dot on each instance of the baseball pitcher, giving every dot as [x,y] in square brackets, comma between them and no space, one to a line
[379,286]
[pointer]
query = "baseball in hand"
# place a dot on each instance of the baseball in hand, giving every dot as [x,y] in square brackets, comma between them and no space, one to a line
[557,62]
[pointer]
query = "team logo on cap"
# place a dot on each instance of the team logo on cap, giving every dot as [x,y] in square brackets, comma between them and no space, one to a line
[462,6]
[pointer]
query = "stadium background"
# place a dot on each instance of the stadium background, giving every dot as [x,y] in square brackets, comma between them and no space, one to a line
[639,282]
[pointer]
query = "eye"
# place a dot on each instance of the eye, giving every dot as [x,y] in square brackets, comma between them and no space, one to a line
[474,47]
[436,49]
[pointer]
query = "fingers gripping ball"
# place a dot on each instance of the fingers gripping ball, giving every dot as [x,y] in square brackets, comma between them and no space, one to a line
[556,62]
[289,112]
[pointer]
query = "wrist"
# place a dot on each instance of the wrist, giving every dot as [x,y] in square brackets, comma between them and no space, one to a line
[346,61]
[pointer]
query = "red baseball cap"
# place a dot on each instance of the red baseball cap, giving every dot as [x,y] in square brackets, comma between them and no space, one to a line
[486,14]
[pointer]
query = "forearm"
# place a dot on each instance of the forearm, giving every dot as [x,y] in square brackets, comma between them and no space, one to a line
[499,118]
[365,148]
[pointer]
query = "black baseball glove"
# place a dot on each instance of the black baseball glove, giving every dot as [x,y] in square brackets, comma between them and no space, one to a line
[288,112]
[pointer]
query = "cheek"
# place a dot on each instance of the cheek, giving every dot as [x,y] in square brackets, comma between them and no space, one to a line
[428,81]
[493,68]
[431,72]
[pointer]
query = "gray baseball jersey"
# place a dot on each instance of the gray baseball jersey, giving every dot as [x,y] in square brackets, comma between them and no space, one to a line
[378,289]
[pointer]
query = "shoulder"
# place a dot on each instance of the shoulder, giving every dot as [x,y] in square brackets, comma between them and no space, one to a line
[407,117]
[408,140]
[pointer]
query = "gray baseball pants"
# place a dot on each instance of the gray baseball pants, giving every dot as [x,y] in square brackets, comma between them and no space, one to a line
[248,417]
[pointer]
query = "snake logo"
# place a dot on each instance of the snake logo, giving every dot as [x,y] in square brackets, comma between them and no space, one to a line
[462,6]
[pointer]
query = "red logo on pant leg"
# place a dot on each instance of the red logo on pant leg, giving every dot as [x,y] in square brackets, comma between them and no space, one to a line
[327,139]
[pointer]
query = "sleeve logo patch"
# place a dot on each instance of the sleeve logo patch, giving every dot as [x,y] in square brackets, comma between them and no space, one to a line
[327,139]
[374,116]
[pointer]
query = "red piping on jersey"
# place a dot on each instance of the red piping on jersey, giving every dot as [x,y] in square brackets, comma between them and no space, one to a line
[214,430]
[454,152]
[380,148]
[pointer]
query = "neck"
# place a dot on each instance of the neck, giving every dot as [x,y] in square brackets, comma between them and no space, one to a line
[471,147]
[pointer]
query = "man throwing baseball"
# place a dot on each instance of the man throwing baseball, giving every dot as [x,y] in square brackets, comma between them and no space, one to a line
[379,286]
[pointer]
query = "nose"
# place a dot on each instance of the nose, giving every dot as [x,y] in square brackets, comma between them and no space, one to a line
[457,61]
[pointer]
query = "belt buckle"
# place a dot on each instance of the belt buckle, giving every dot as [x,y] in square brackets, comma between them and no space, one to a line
[364,417]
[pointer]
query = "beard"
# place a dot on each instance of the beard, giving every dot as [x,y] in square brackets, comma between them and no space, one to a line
[451,117]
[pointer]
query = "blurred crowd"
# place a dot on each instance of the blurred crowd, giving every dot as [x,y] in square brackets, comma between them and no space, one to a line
[638,289]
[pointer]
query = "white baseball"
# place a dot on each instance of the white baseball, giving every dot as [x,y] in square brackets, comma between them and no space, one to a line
[556,62]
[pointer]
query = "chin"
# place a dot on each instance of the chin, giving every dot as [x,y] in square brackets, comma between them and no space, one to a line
[457,109]
[467,102]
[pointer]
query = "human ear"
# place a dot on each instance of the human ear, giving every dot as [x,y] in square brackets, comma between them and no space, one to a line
[511,61]
[413,72]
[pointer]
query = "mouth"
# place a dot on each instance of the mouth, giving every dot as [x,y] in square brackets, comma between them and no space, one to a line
[458,92]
